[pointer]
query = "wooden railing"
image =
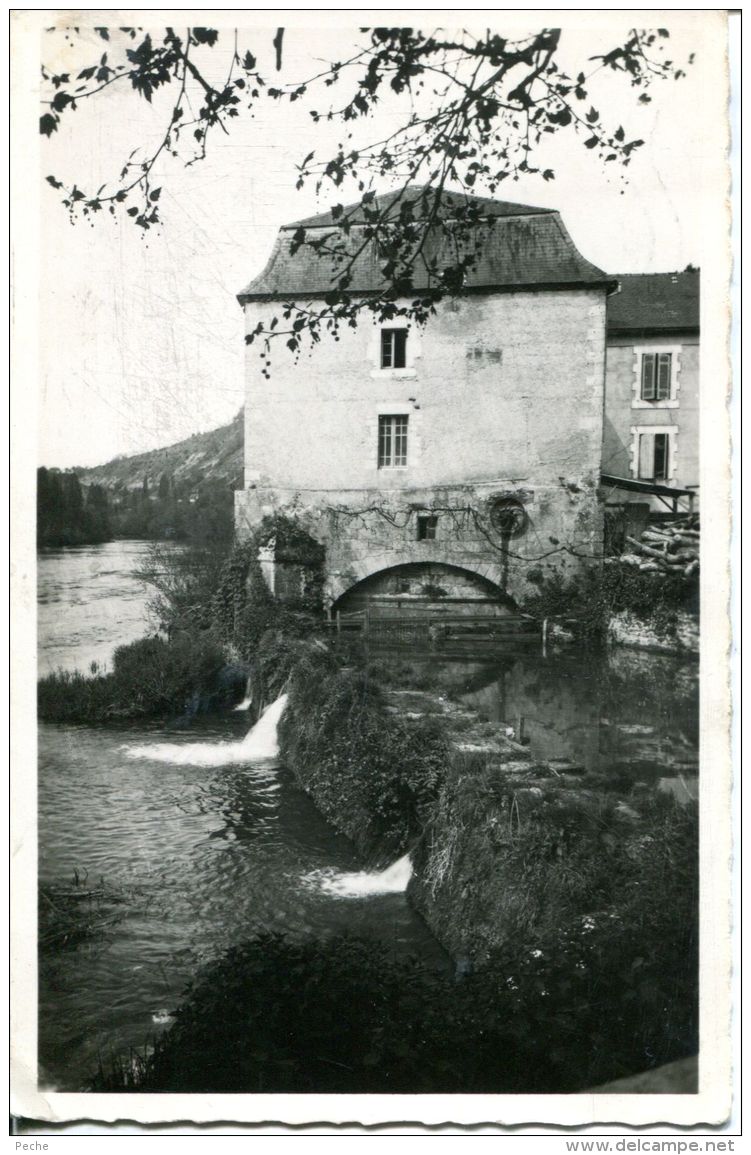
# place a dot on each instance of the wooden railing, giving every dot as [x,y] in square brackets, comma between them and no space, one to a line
[438,630]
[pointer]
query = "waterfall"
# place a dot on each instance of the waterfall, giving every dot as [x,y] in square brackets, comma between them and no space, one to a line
[263,740]
[247,701]
[362,884]
[260,744]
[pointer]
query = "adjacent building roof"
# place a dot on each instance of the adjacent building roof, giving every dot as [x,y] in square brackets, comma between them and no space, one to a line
[651,303]
[518,246]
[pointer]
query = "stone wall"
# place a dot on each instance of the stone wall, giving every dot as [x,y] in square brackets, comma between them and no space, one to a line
[504,398]
[626,629]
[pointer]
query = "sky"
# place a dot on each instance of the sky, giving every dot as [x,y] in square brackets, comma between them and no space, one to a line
[141,335]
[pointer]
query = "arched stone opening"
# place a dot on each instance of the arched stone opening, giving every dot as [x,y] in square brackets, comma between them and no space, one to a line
[426,587]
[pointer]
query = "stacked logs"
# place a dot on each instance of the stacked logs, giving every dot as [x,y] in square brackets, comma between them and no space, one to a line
[668,548]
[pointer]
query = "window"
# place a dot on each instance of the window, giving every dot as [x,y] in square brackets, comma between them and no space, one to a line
[654,456]
[392,441]
[393,348]
[426,527]
[656,376]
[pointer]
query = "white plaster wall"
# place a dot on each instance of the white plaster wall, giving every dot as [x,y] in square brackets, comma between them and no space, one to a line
[505,396]
[505,385]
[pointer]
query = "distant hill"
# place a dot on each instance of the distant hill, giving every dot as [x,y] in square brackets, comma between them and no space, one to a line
[183,492]
[213,457]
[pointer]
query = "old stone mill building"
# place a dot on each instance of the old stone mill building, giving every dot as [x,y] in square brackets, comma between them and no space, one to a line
[437,465]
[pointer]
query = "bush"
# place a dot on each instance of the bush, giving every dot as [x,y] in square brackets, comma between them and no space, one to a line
[625,976]
[184,581]
[589,599]
[150,678]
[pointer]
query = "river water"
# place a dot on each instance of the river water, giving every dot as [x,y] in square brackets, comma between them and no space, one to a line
[189,840]
[89,599]
[186,840]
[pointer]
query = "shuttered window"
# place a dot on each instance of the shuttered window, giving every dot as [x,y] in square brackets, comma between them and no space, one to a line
[661,459]
[656,376]
[392,441]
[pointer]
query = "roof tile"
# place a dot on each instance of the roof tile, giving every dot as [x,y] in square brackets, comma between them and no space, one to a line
[655,301]
[520,246]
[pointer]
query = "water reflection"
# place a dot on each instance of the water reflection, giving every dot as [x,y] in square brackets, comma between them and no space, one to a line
[626,713]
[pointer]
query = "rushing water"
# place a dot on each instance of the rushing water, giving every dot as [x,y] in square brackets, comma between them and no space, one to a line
[191,840]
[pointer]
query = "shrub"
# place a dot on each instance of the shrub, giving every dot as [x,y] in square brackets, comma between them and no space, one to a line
[243,607]
[184,580]
[373,774]
[588,600]
[624,976]
[150,677]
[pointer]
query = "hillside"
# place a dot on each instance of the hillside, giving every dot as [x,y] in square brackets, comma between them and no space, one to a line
[216,457]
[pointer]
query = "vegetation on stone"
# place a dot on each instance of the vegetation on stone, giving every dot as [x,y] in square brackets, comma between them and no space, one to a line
[373,774]
[587,601]
[242,605]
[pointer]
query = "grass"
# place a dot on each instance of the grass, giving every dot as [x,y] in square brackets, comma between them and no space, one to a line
[78,912]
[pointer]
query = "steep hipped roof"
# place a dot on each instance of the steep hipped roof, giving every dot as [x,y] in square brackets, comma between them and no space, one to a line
[523,246]
[655,303]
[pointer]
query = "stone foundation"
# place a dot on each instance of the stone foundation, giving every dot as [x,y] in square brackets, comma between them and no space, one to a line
[626,629]
[368,533]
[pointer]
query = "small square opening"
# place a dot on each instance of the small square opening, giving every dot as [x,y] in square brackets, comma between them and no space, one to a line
[427,524]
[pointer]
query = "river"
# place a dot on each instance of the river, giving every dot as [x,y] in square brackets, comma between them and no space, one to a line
[188,840]
[181,860]
[89,599]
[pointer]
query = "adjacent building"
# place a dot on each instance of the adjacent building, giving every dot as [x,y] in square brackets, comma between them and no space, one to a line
[651,432]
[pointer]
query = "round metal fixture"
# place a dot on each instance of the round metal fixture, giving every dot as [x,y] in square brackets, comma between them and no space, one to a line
[508,516]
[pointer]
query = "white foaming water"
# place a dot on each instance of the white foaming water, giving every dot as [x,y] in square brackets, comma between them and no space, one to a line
[260,744]
[392,880]
[244,705]
[263,741]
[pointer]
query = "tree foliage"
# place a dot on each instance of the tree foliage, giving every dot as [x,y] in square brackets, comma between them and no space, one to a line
[473,111]
[68,513]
